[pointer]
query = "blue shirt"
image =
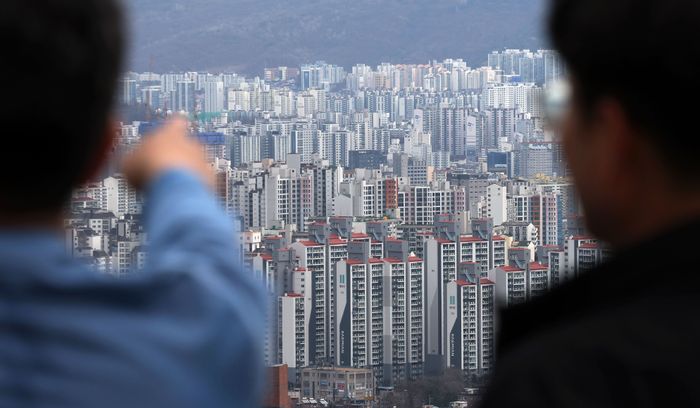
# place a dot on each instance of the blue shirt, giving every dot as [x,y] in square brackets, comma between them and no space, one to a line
[187,332]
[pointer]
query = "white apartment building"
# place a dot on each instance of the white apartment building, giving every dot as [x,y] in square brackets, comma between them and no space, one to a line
[440,263]
[487,253]
[496,204]
[214,96]
[517,284]
[312,258]
[118,197]
[289,198]
[294,315]
[470,325]
[380,317]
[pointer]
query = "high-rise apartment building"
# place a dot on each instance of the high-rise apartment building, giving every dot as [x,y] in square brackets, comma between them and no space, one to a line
[214,96]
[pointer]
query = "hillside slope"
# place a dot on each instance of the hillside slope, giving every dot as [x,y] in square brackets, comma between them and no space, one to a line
[247,35]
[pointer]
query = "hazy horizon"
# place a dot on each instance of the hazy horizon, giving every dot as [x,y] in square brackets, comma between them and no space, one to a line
[248,35]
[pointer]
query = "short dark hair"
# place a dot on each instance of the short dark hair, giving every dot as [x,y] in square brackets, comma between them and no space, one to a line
[60,63]
[643,54]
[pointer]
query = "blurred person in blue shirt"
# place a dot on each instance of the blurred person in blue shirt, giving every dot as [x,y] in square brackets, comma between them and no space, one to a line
[188,331]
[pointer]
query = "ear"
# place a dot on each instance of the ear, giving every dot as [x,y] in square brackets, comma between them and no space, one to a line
[102,151]
[621,143]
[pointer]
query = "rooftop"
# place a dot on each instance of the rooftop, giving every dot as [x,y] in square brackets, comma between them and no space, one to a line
[483,281]
[510,268]
[310,243]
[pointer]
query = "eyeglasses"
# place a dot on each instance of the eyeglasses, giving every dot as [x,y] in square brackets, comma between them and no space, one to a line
[557,99]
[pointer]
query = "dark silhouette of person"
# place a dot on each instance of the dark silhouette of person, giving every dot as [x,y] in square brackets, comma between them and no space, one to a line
[627,332]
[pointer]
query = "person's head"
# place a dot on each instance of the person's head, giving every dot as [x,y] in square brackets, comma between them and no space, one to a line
[60,62]
[630,131]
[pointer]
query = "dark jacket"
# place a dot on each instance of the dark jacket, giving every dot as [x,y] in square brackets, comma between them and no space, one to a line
[624,334]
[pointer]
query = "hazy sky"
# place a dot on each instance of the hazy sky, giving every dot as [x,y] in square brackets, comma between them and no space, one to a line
[247,35]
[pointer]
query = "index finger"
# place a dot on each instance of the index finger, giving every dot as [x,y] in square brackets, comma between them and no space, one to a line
[176,127]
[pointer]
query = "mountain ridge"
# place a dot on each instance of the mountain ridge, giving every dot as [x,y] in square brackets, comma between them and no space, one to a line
[249,35]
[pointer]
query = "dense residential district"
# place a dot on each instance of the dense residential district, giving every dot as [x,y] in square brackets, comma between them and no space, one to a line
[389,211]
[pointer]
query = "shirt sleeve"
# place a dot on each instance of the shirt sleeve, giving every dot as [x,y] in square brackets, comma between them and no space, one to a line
[186,226]
[178,200]
[190,235]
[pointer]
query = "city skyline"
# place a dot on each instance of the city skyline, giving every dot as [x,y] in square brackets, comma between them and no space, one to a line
[349,203]
[388,210]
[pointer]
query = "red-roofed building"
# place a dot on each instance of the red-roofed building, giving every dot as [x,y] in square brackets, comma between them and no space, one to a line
[487,254]
[310,243]
[582,253]
[589,255]
[509,268]
[590,245]
[516,284]
[536,266]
